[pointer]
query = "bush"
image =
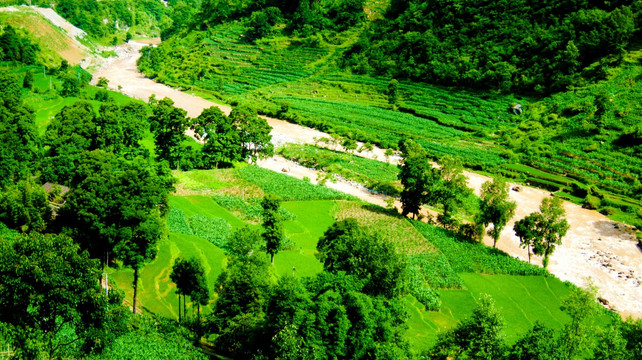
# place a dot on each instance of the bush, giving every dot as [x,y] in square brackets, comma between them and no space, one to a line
[608,210]
[591,202]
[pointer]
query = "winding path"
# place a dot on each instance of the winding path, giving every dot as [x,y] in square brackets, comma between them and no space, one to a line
[596,251]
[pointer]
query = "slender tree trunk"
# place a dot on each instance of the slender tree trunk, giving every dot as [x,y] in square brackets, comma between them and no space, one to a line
[135,289]
[529,253]
[272,258]
[179,307]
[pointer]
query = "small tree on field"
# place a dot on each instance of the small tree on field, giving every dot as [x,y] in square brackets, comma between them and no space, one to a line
[27,83]
[414,173]
[495,208]
[272,226]
[189,277]
[552,227]
[526,230]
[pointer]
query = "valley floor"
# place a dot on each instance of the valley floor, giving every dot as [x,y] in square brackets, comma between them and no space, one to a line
[595,252]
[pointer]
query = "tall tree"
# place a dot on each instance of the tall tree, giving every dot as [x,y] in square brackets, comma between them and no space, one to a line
[450,191]
[539,343]
[552,227]
[348,247]
[415,174]
[221,137]
[168,123]
[116,207]
[576,335]
[528,233]
[189,277]
[272,226]
[49,287]
[24,207]
[495,207]
[254,133]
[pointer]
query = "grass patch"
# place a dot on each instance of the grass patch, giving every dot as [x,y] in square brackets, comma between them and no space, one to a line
[394,228]
[522,300]
[289,188]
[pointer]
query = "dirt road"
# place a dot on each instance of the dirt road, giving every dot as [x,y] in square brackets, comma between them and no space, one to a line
[596,251]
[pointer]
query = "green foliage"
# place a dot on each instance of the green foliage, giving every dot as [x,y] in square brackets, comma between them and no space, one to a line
[168,123]
[53,297]
[177,222]
[477,337]
[495,207]
[17,47]
[152,337]
[526,46]
[288,188]
[272,226]
[24,207]
[214,230]
[347,247]
[416,175]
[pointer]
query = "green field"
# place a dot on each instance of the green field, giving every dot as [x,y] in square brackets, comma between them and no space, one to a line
[522,300]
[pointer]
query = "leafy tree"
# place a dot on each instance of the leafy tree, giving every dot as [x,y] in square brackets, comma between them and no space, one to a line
[539,343]
[254,133]
[51,299]
[552,227]
[527,231]
[415,174]
[24,207]
[348,247]
[168,123]
[117,207]
[27,82]
[450,191]
[575,338]
[495,207]
[221,137]
[611,345]
[631,331]
[272,226]
[70,86]
[20,145]
[189,277]
[393,88]
[242,290]
[477,337]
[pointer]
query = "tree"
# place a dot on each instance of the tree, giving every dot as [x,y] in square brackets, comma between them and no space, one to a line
[393,86]
[189,277]
[254,133]
[23,206]
[117,207]
[50,297]
[527,231]
[575,338]
[348,247]
[222,139]
[272,226]
[552,227]
[478,337]
[495,207]
[539,343]
[450,191]
[27,82]
[168,124]
[415,174]
[242,295]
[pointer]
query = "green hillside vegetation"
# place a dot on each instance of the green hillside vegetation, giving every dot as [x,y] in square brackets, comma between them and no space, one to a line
[281,268]
[580,141]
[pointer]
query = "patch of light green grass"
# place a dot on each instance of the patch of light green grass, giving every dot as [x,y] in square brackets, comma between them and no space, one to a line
[313,218]
[521,300]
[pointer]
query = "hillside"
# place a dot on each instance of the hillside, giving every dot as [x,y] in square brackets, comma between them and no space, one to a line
[220,257]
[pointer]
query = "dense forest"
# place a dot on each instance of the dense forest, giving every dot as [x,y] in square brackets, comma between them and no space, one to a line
[264,266]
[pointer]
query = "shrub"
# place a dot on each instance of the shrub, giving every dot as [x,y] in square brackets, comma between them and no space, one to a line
[591,202]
